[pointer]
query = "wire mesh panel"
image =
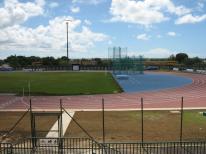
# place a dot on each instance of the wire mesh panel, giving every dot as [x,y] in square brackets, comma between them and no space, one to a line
[123,64]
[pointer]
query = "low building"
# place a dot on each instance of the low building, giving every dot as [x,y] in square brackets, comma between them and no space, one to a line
[6,67]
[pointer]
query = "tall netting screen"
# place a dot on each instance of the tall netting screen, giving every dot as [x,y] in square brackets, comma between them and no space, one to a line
[123,64]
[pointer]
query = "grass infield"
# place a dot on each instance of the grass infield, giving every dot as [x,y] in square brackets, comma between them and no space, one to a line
[58,83]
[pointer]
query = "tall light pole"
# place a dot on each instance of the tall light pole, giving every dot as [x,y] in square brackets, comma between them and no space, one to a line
[67,26]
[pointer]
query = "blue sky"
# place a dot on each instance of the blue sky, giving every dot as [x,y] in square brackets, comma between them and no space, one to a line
[152,28]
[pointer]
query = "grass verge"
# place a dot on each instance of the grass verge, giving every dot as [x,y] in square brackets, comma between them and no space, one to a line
[126,125]
[58,83]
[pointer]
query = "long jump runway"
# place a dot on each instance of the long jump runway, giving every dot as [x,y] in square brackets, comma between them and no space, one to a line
[194,98]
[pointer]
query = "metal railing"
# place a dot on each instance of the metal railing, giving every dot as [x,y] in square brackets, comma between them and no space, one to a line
[160,148]
[88,146]
[5,148]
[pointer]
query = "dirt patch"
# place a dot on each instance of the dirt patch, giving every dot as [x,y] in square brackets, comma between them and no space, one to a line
[119,125]
[126,126]
[23,129]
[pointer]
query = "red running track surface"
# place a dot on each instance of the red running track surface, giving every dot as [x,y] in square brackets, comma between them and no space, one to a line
[194,97]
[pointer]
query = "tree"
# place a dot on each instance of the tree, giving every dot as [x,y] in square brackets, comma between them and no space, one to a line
[12,61]
[63,60]
[1,62]
[181,57]
[98,61]
[197,60]
[194,62]
[50,61]
[23,61]
[172,57]
[33,59]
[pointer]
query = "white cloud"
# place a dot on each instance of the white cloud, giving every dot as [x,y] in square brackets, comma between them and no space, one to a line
[110,42]
[75,9]
[171,34]
[153,53]
[40,2]
[87,22]
[190,19]
[53,5]
[157,53]
[159,36]
[146,12]
[95,2]
[50,39]
[14,12]
[200,6]
[143,37]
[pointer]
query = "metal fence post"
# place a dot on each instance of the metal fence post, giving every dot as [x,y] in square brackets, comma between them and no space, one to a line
[142,125]
[142,120]
[32,125]
[93,147]
[103,125]
[181,119]
[61,129]
[10,148]
[61,124]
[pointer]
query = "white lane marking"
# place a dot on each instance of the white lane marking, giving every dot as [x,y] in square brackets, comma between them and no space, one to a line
[65,123]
